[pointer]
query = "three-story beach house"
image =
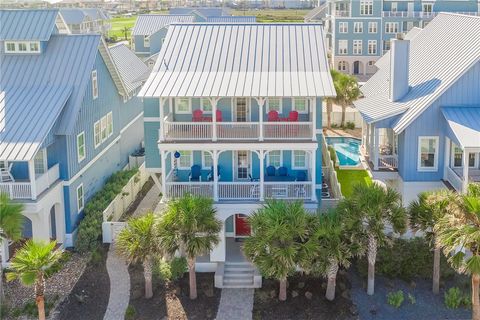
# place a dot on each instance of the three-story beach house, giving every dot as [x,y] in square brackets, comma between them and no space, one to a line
[359,32]
[69,118]
[232,112]
[422,108]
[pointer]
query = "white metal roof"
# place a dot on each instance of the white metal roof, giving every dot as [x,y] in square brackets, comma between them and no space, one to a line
[230,60]
[147,24]
[129,66]
[465,125]
[439,55]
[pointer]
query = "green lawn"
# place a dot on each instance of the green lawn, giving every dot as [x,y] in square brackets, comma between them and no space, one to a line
[348,178]
[120,22]
[273,15]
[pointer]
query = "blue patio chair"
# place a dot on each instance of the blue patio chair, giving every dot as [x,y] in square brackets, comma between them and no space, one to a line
[252,179]
[301,176]
[271,171]
[210,174]
[195,173]
[282,172]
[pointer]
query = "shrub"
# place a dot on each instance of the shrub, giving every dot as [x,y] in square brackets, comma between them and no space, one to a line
[172,270]
[395,299]
[454,298]
[90,228]
[350,125]
[334,126]
[333,154]
[130,312]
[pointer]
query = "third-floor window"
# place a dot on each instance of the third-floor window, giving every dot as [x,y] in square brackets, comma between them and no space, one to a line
[366,7]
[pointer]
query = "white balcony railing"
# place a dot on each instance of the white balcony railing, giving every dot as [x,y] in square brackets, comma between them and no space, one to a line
[23,190]
[177,189]
[238,130]
[454,179]
[287,130]
[418,14]
[239,190]
[187,130]
[387,161]
[288,190]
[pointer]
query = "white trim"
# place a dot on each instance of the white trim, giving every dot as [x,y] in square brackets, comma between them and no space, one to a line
[189,111]
[204,167]
[27,44]
[294,107]
[293,160]
[94,78]
[79,157]
[83,198]
[435,160]
[151,119]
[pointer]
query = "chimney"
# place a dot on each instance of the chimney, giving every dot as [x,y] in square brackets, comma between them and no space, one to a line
[399,63]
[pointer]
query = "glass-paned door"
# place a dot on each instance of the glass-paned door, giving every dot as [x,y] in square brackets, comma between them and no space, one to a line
[40,162]
[241,110]
[242,165]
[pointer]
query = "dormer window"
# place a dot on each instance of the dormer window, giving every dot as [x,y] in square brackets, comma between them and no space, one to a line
[22,47]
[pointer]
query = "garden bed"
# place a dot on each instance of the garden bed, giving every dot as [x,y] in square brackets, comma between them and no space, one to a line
[305,300]
[170,300]
[89,297]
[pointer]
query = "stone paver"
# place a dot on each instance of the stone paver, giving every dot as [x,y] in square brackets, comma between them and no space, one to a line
[231,309]
[149,202]
[119,286]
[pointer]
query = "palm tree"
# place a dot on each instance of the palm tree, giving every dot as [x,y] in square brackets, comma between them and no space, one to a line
[125,31]
[424,214]
[458,231]
[279,230]
[368,211]
[138,242]
[32,264]
[347,90]
[329,248]
[190,226]
[11,222]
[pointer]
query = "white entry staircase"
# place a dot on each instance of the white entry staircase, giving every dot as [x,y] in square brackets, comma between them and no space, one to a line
[237,275]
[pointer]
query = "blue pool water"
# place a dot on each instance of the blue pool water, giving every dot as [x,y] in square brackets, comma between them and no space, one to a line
[347,149]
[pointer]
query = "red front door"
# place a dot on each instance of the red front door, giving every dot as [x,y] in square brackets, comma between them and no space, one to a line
[242,228]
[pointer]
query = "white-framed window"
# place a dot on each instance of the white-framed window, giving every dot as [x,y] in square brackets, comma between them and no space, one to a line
[109,124]
[39,162]
[427,153]
[103,125]
[207,160]
[80,198]
[9,47]
[342,66]
[97,134]
[394,7]
[343,27]
[206,105]
[409,25]
[275,158]
[386,45]
[274,104]
[342,46]
[457,157]
[372,46]
[183,105]
[372,27]
[186,160]
[299,159]
[427,8]
[300,105]
[34,47]
[146,41]
[81,146]
[391,27]
[94,85]
[22,46]
[357,46]
[366,7]
[358,27]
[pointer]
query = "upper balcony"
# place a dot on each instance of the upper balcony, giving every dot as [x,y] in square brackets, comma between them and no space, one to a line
[418,14]
[240,119]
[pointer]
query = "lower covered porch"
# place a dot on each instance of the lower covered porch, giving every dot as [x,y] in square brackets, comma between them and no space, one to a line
[380,147]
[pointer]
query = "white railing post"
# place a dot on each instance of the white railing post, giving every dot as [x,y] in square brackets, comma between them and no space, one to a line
[312,170]
[313,121]
[214,101]
[215,175]
[261,104]
[262,175]
[162,124]
[163,154]
[31,175]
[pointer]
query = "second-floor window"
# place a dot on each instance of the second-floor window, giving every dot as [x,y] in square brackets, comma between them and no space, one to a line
[358,27]
[206,105]
[357,46]
[274,158]
[391,27]
[427,8]
[366,7]
[343,27]
[372,27]
[94,84]
[40,162]
[274,104]
[183,106]
[80,198]
[394,7]
[81,146]
[342,46]
[372,46]
[103,129]
[300,105]
[427,153]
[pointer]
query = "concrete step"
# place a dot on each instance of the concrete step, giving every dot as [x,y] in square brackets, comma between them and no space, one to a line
[241,274]
[239,286]
[238,280]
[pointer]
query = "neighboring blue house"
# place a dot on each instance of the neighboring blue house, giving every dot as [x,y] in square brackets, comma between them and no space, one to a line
[234,113]
[86,20]
[69,118]
[422,108]
[201,13]
[150,30]
[359,31]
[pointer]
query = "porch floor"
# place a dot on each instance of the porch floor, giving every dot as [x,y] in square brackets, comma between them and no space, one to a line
[234,250]
[473,174]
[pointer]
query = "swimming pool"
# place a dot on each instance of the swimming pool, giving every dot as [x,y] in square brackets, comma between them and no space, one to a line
[347,150]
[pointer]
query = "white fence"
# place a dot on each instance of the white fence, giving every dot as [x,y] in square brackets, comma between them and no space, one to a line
[331,176]
[350,116]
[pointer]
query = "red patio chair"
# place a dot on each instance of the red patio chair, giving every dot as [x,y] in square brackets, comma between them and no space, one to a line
[197,115]
[273,115]
[293,116]
[219,116]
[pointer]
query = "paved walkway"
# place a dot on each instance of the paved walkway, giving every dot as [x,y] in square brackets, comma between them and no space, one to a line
[231,309]
[149,202]
[119,286]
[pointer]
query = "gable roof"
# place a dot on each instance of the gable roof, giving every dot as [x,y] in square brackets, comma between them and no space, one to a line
[40,26]
[203,11]
[42,89]
[129,66]
[439,55]
[78,15]
[147,24]
[232,19]
[464,122]
[238,60]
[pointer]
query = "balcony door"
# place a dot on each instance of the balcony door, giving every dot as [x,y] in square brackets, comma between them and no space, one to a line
[242,165]
[241,110]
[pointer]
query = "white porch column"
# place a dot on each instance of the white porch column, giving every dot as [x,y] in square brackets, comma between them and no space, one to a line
[367,138]
[314,118]
[372,141]
[31,175]
[170,105]
[215,175]
[446,159]
[161,135]
[465,170]
[261,104]
[262,174]
[214,102]
[163,155]
[376,147]
[313,175]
